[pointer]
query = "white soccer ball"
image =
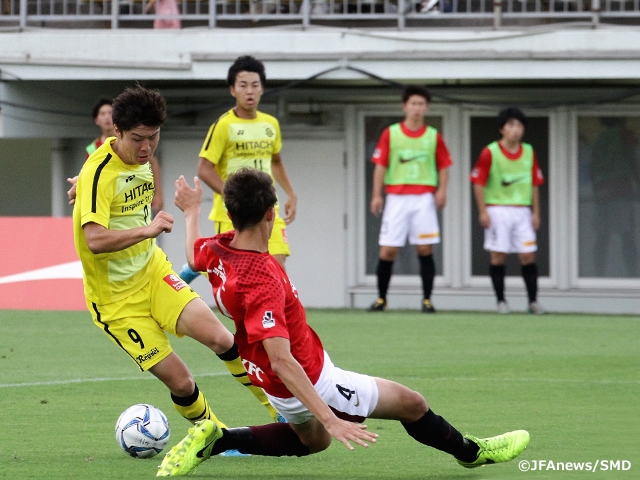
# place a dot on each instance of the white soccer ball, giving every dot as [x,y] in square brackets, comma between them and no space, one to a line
[142,431]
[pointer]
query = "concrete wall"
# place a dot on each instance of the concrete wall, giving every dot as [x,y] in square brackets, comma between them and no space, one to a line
[316,237]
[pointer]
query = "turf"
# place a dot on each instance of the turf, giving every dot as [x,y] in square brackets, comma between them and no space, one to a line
[573,381]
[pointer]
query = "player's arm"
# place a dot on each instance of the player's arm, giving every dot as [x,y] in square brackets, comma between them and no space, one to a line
[102,240]
[443,162]
[483,216]
[157,203]
[295,379]
[440,196]
[377,202]
[280,174]
[208,174]
[479,176]
[189,201]
[380,158]
[535,208]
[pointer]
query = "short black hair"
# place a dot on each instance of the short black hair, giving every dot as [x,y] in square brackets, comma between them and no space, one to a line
[411,90]
[248,194]
[137,106]
[102,101]
[246,63]
[511,113]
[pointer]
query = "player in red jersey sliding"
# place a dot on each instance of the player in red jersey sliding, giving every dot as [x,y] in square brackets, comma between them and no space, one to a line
[285,356]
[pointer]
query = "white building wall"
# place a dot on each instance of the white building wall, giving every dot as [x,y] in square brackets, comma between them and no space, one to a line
[326,238]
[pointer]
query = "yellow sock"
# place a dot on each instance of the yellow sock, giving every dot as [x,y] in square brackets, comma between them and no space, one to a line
[196,408]
[233,362]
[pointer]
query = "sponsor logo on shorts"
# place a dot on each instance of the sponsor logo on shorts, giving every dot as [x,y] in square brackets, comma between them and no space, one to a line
[267,320]
[429,235]
[175,282]
[530,243]
[147,356]
[346,393]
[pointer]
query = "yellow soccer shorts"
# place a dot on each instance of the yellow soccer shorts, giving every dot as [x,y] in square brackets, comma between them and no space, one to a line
[278,244]
[138,323]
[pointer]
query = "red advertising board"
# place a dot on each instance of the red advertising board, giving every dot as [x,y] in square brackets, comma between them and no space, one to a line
[39,268]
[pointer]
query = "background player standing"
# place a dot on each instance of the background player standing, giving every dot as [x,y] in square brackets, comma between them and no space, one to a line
[505,185]
[245,137]
[286,357]
[131,291]
[411,161]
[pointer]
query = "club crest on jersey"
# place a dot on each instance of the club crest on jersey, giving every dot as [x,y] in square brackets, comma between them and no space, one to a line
[175,282]
[267,320]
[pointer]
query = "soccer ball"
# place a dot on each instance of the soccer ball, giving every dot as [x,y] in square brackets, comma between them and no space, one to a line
[142,431]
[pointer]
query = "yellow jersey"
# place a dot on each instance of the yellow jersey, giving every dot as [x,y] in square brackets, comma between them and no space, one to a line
[233,143]
[118,197]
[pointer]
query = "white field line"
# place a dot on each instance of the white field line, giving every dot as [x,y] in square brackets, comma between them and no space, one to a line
[534,380]
[98,379]
[441,379]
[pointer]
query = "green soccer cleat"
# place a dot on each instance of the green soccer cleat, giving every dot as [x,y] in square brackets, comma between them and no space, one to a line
[498,449]
[194,449]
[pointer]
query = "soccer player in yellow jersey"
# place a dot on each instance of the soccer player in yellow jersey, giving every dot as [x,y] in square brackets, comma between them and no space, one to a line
[131,291]
[245,137]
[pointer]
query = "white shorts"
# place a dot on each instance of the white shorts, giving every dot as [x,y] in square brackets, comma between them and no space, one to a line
[412,216]
[511,230]
[350,393]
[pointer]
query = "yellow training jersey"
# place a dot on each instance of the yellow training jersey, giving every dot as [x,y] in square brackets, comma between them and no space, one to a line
[234,142]
[118,197]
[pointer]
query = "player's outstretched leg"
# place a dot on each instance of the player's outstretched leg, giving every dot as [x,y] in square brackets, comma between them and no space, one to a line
[502,448]
[233,362]
[206,439]
[194,449]
[187,274]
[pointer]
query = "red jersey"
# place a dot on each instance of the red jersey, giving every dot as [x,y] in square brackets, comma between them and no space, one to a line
[480,171]
[381,157]
[253,290]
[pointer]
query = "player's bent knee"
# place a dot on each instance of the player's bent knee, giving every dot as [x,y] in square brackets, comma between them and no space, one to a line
[184,387]
[318,444]
[416,404]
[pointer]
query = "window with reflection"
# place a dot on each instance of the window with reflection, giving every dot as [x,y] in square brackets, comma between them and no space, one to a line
[608,196]
[407,261]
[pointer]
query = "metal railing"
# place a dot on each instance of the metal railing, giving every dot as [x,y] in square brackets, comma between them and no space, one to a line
[138,13]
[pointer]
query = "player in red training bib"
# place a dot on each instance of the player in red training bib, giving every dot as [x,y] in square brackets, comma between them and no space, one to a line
[284,355]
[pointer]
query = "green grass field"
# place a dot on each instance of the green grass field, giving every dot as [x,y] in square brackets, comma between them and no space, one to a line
[573,381]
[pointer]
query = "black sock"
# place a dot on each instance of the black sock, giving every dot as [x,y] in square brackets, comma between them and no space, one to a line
[188,400]
[497,273]
[272,440]
[530,276]
[435,431]
[384,277]
[427,273]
